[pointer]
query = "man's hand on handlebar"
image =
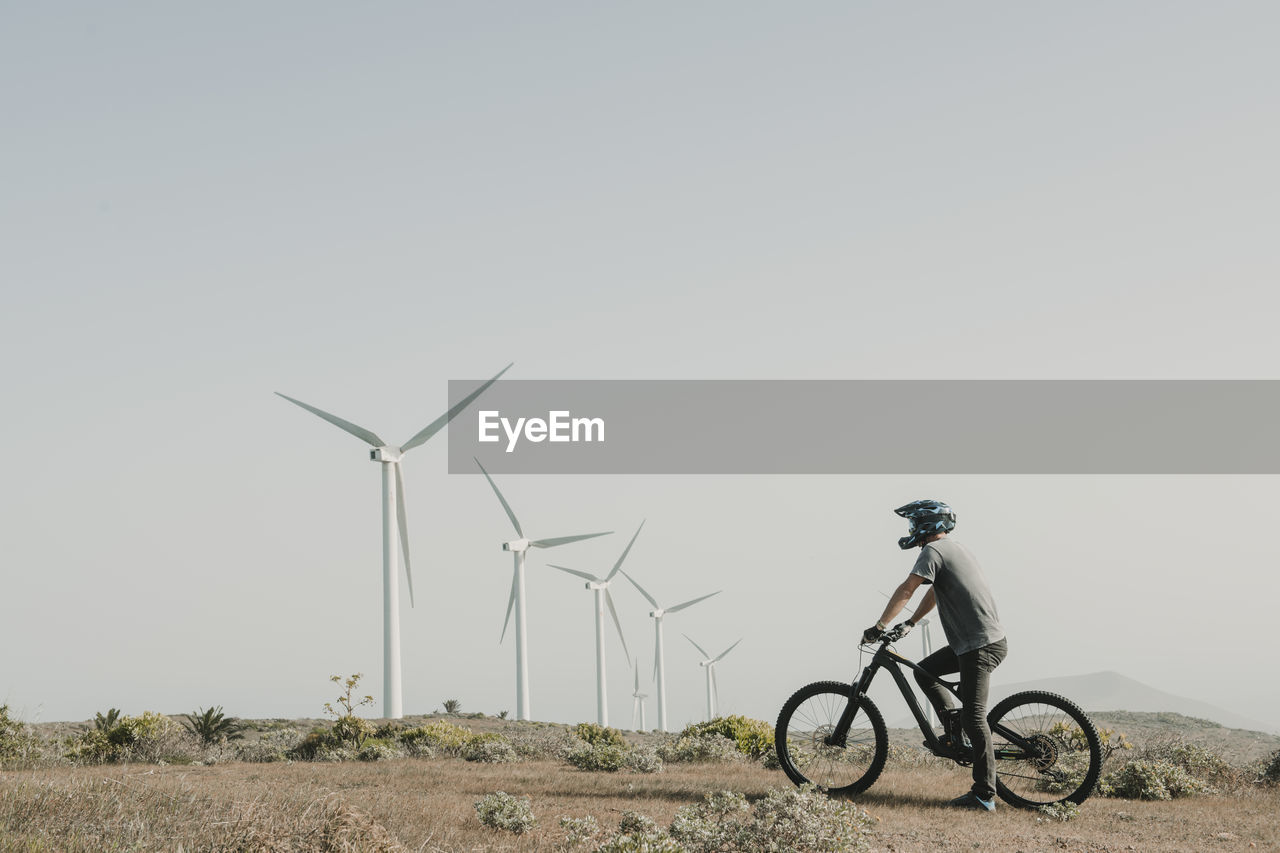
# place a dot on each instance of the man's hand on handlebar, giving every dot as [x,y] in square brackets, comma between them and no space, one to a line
[875,633]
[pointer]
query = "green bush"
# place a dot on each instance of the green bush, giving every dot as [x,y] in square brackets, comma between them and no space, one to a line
[1151,780]
[750,737]
[596,734]
[439,735]
[126,738]
[501,810]
[490,748]
[18,745]
[1271,769]
[697,748]
[602,757]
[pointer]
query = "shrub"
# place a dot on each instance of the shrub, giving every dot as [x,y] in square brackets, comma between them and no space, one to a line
[543,743]
[1271,769]
[604,756]
[697,748]
[750,737]
[785,820]
[596,734]
[1062,812]
[452,706]
[1151,780]
[18,745]
[579,830]
[643,759]
[501,810]
[491,748]
[1193,758]
[439,735]
[145,737]
[377,750]
[273,746]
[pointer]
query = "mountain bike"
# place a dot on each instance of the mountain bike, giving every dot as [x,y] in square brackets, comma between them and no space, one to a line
[831,735]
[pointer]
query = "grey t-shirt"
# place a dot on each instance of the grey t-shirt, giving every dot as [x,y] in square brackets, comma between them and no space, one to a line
[965,605]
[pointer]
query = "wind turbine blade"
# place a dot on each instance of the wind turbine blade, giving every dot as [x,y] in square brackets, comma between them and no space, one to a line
[906,607]
[404,529]
[726,651]
[358,431]
[618,565]
[698,647]
[510,603]
[647,597]
[511,515]
[715,688]
[608,599]
[693,602]
[438,424]
[592,578]
[564,540]
[637,669]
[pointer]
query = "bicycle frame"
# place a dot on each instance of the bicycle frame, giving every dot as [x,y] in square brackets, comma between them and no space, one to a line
[886,658]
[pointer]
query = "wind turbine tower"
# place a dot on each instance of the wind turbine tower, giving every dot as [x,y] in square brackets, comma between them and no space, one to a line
[637,707]
[393,522]
[658,668]
[600,586]
[518,548]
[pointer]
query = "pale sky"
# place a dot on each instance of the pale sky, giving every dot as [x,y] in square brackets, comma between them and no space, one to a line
[202,204]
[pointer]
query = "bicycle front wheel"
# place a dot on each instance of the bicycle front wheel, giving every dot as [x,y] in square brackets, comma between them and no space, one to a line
[801,739]
[1047,750]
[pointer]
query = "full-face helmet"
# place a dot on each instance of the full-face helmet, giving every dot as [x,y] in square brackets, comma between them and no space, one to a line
[924,518]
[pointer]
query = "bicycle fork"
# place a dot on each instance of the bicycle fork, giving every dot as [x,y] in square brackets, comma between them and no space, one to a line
[857,692]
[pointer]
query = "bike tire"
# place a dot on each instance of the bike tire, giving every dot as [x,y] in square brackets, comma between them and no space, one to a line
[807,717]
[1067,759]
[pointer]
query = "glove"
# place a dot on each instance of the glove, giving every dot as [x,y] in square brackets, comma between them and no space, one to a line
[872,634]
[897,632]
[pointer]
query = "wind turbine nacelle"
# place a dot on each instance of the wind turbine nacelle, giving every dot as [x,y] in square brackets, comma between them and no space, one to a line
[516,545]
[386,454]
[657,614]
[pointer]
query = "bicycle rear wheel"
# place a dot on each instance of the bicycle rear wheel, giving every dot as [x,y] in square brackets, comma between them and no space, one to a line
[1047,750]
[804,723]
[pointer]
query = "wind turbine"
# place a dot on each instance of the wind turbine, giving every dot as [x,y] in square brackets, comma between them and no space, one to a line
[393,508]
[657,613]
[518,548]
[637,707]
[713,693]
[600,586]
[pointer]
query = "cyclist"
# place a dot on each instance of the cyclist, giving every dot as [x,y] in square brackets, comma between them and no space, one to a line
[976,641]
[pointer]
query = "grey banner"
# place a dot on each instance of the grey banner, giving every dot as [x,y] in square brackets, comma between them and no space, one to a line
[868,427]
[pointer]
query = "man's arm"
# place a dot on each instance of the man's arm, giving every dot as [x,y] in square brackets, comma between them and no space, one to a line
[926,604]
[901,596]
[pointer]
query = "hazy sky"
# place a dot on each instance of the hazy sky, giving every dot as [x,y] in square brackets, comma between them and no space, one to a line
[201,204]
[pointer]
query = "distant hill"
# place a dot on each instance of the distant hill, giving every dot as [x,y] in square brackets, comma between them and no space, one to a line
[1111,691]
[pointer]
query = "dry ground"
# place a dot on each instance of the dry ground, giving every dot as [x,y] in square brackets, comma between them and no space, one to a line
[427,805]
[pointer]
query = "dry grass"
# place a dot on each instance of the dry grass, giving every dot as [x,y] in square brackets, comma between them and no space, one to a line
[427,805]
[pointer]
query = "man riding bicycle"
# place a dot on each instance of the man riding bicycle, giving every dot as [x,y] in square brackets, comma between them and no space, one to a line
[976,640]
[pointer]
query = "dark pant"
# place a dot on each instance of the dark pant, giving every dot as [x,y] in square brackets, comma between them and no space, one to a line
[975,680]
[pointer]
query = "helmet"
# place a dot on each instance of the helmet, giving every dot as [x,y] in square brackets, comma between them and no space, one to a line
[925,518]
